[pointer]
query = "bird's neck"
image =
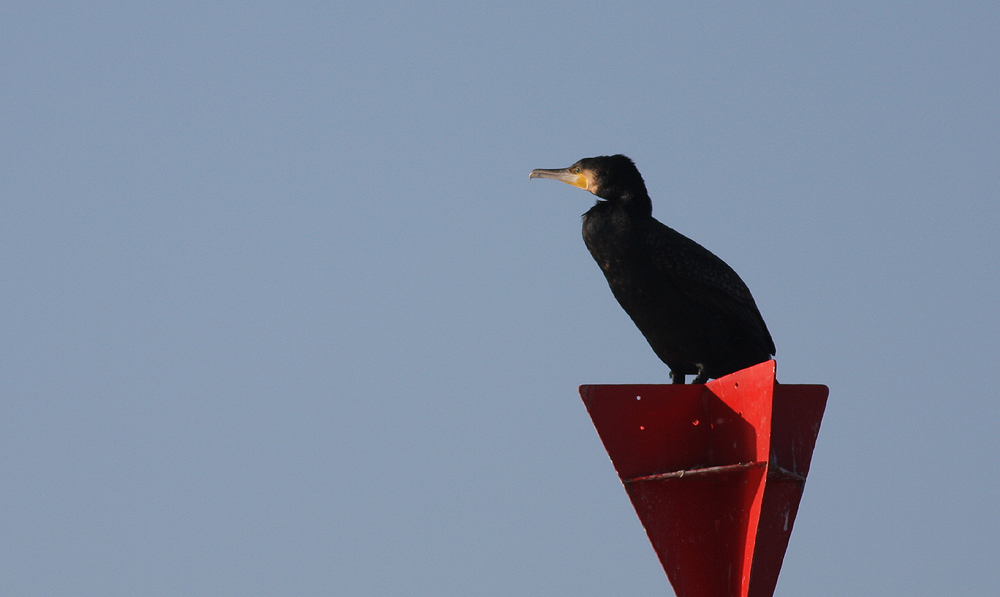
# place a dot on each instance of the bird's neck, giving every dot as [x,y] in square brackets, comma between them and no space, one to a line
[637,205]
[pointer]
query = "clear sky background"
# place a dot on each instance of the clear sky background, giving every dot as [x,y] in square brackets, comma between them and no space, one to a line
[282,314]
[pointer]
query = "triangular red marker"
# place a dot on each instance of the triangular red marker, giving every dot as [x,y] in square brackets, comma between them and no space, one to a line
[715,472]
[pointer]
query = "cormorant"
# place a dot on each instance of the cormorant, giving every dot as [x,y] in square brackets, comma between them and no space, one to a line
[694,310]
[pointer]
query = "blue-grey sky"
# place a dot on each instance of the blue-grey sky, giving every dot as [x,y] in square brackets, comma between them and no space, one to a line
[282,314]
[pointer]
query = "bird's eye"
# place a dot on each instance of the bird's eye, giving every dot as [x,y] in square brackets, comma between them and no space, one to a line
[576,170]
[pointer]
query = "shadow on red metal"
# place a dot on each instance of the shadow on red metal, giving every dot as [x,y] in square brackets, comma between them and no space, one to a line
[715,472]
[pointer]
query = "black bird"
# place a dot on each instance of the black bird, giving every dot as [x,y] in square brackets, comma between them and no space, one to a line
[694,310]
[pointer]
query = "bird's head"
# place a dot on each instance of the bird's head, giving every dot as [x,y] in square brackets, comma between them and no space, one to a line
[611,177]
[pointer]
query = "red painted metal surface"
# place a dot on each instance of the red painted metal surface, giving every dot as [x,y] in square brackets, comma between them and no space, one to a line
[715,472]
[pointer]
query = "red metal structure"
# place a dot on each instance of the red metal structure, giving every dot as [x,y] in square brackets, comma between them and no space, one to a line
[715,472]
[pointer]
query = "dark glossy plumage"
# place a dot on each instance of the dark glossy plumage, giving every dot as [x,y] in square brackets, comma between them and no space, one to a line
[694,310]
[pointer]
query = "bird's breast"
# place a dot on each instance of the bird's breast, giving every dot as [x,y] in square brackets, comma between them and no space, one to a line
[612,242]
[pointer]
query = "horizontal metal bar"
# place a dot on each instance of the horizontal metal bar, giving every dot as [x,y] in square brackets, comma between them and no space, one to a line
[712,470]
